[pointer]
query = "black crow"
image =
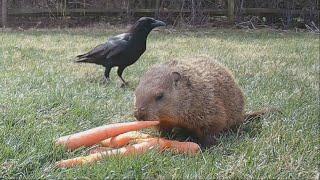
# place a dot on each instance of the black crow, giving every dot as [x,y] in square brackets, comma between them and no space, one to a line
[122,50]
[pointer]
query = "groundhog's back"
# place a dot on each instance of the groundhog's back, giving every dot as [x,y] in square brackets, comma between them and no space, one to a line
[215,88]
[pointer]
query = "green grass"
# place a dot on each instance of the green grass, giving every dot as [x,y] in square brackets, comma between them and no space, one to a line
[43,95]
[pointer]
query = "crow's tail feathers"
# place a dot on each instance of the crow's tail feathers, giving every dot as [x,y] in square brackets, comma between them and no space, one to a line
[258,114]
[82,58]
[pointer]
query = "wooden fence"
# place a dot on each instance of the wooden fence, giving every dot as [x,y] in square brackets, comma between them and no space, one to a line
[155,8]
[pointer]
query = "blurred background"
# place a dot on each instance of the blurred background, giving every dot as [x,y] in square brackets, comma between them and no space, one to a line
[242,13]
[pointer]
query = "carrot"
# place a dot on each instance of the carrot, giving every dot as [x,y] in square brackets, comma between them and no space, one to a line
[175,146]
[120,141]
[139,148]
[164,144]
[95,135]
[105,148]
[123,139]
[180,147]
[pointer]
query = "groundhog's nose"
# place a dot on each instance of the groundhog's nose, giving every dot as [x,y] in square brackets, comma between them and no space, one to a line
[140,114]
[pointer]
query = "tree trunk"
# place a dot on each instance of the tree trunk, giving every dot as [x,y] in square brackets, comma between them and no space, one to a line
[193,12]
[4,13]
[156,14]
[231,10]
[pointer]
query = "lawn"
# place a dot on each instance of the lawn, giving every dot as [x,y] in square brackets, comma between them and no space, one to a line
[44,95]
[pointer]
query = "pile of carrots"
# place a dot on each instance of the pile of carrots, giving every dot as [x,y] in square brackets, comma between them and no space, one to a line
[123,138]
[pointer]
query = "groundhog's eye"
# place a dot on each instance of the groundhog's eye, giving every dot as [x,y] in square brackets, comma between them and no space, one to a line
[159,97]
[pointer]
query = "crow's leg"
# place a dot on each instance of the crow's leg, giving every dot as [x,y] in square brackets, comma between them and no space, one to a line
[120,71]
[106,73]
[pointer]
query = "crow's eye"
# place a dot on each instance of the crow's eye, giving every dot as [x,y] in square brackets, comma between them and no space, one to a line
[159,97]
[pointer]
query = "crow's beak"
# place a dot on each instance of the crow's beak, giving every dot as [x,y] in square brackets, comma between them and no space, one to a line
[158,23]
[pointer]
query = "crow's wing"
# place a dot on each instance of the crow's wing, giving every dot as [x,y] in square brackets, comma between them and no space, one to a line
[118,44]
[95,52]
[114,46]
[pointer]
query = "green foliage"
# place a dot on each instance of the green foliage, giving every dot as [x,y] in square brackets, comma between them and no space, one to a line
[44,95]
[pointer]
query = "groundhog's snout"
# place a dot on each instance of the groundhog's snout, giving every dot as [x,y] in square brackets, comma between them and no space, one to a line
[140,114]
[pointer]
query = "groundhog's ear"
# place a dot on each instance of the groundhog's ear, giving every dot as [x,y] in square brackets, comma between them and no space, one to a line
[176,77]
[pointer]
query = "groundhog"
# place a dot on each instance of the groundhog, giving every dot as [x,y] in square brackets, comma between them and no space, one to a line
[198,95]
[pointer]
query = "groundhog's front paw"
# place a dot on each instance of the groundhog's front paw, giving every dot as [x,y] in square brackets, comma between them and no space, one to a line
[208,141]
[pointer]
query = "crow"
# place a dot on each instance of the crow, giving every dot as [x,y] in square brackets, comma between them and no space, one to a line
[122,50]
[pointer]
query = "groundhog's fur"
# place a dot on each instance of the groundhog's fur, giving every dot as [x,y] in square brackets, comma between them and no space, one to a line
[199,95]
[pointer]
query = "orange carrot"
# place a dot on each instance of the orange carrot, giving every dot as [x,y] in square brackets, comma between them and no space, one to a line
[175,146]
[180,147]
[164,144]
[123,139]
[119,141]
[95,135]
[139,148]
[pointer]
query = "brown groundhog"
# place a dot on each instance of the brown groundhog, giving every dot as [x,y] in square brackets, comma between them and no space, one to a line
[198,95]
